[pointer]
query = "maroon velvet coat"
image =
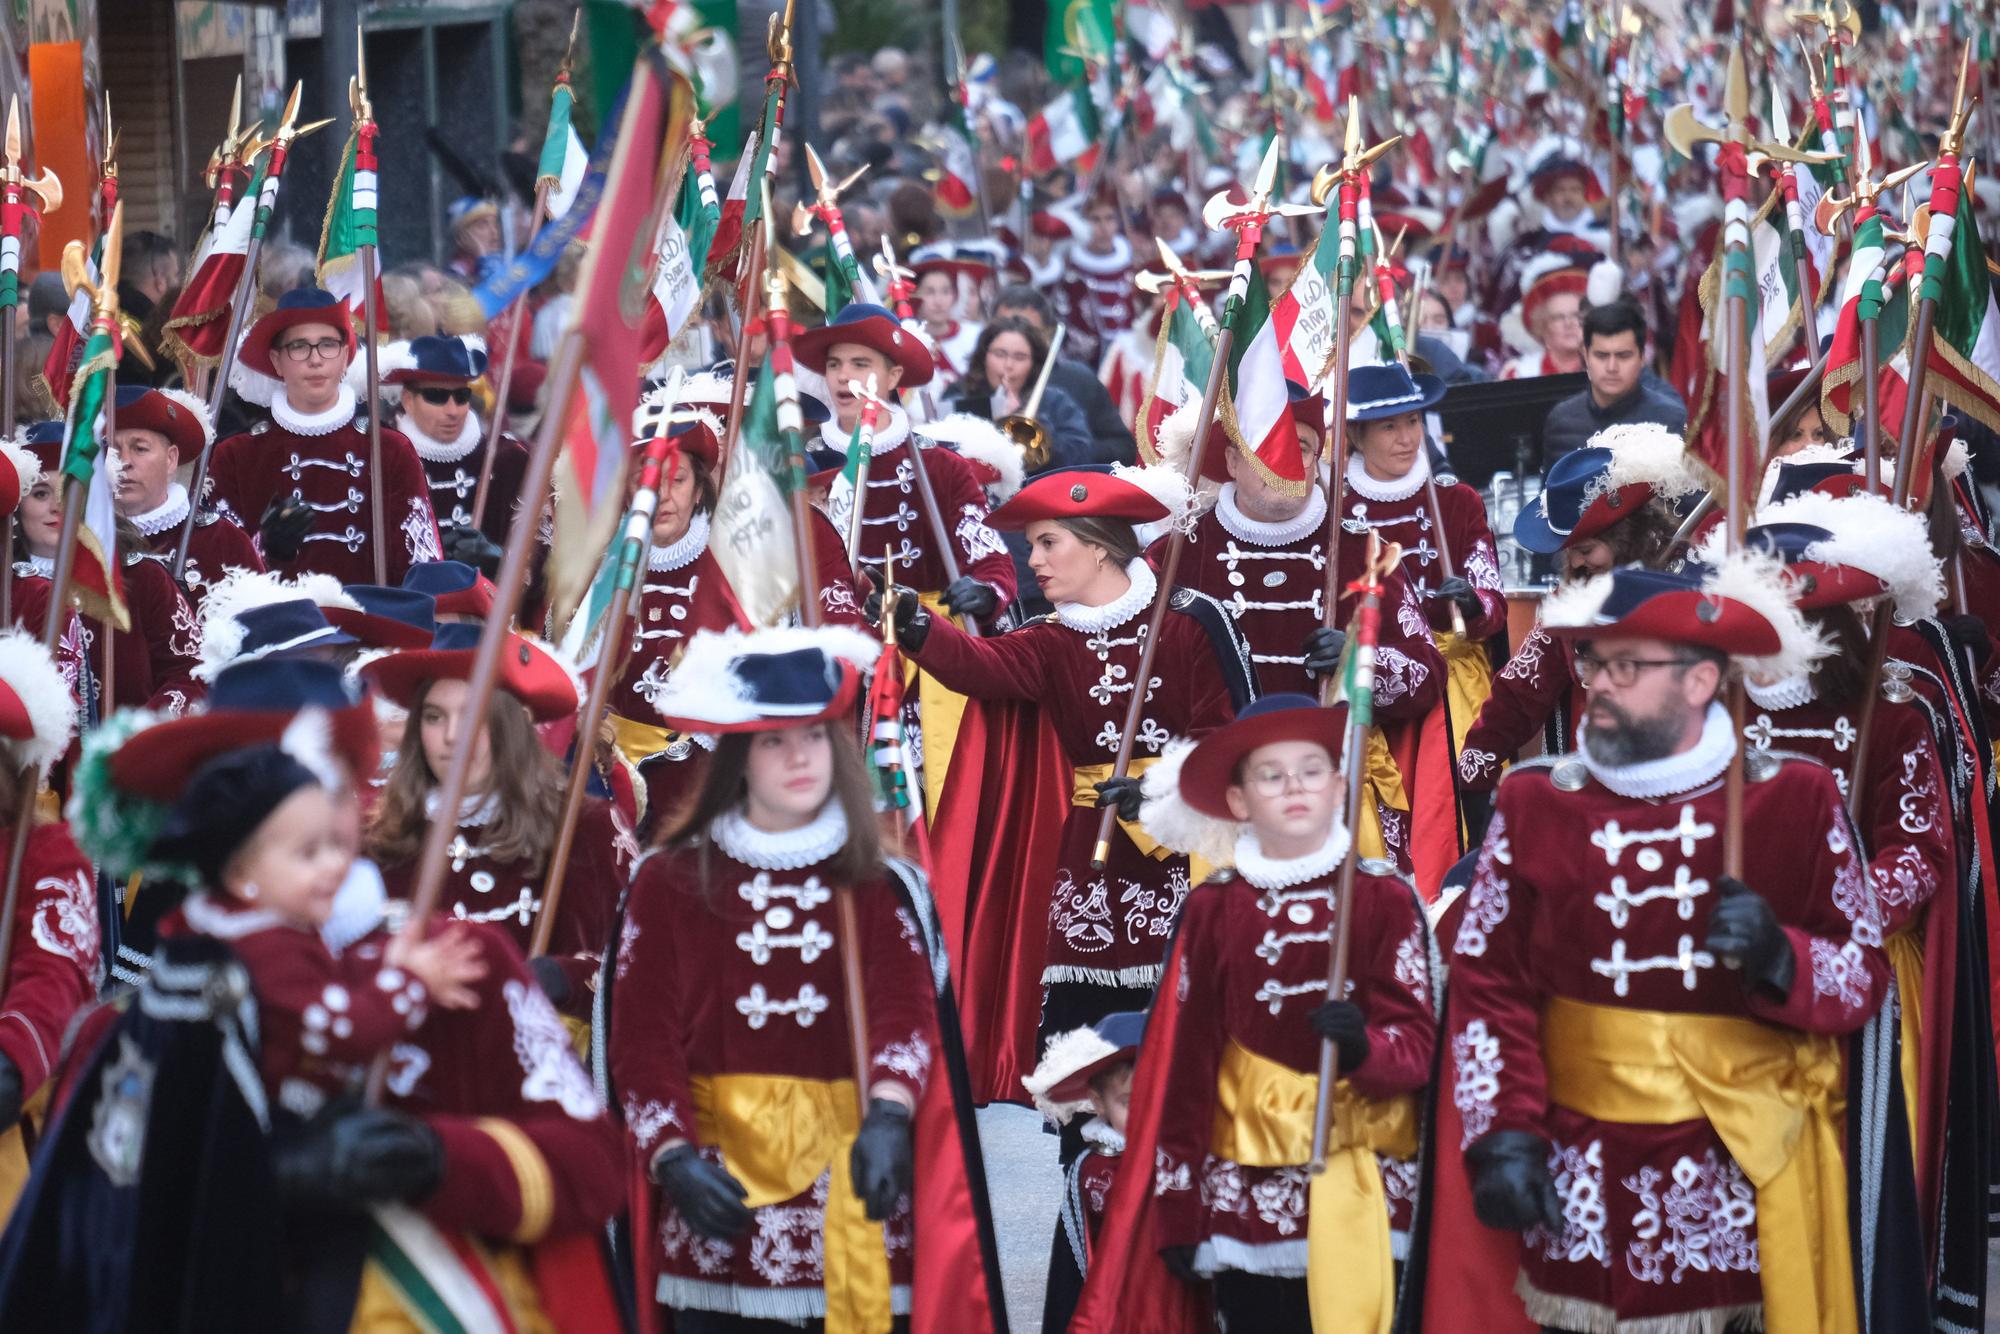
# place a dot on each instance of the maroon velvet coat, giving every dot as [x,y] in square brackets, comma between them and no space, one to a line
[1400,511]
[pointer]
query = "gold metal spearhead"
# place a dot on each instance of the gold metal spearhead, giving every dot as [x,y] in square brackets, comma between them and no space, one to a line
[105,299]
[569,53]
[13,166]
[1953,137]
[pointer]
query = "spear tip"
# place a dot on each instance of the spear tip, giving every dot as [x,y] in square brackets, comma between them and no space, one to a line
[14,131]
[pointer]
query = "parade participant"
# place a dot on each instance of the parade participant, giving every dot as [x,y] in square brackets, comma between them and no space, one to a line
[507,822]
[1546,326]
[937,308]
[1096,298]
[1086,1072]
[1044,250]
[456,590]
[149,663]
[1067,942]
[1110,429]
[1614,502]
[430,381]
[1589,1075]
[1222,1116]
[1007,364]
[1614,360]
[158,429]
[305,472]
[52,971]
[863,341]
[682,592]
[475,237]
[775,1194]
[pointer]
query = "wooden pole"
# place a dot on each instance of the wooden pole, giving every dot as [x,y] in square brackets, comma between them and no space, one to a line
[498,425]
[377,527]
[238,309]
[1737,316]
[940,531]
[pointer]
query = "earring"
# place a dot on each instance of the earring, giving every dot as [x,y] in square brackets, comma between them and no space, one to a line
[250,892]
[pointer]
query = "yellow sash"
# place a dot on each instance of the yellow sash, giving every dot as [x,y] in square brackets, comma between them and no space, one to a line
[777,1134]
[1775,1098]
[1083,792]
[1468,680]
[1906,955]
[1264,1118]
[1381,785]
[940,710]
[638,741]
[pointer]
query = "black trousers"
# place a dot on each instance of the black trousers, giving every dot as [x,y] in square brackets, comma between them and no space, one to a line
[713,1322]
[1261,1304]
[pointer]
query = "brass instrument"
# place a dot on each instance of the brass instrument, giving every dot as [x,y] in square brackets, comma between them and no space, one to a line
[1021,427]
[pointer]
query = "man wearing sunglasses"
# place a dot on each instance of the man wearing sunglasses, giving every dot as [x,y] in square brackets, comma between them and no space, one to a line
[306,473]
[430,380]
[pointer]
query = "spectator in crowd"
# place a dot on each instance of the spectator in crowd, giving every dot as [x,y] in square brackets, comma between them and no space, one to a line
[1614,359]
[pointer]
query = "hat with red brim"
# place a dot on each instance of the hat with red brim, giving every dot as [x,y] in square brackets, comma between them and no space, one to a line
[1085,492]
[1635,603]
[1210,768]
[1814,583]
[528,671]
[301,305]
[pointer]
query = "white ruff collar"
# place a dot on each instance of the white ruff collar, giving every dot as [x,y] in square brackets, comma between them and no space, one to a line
[358,907]
[45,566]
[314,423]
[218,919]
[472,811]
[443,451]
[1702,764]
[793,850]
[1284,872]
[1099,1135]
[1090,620]
[683,550]
[1102,266]
[1789,693]
[1308,522]
[1402,488]
[171,513]
[888,434]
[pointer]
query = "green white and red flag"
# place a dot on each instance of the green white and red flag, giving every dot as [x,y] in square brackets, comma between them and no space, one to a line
[350,226]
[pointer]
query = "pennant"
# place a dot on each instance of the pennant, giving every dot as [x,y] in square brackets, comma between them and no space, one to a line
[686,235]
[350,225]
[752,535]
[200,320]
[563,163]
[1965,344]
[94,577]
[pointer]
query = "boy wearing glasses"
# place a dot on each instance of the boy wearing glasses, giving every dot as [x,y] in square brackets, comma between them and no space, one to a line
[431,385]
[305,472]
[1221,1125]
[1648,1051]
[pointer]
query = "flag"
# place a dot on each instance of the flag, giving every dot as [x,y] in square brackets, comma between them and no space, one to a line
[1182,358]
[752,537]
[1772,325]
[350,225]
[530,266]
[1861,297]
[1965,342]
[200,320]
[889,761]
[590,470]
[681,257]
[94,578]
[1063,132]
[1303,317]
[564,160]
[1078,29]
[729,228]
[958,182]
[1257,409]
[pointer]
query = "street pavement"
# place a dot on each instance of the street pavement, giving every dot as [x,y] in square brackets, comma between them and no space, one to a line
[1026,1186]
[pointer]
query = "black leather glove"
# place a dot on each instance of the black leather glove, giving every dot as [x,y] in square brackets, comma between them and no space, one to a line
[552,979]
[350,1157]
[1969,634]
[1122,793]
[1179,1261]
[282,529]
[1744,933]
[1323,649]
[706,1194]
[1342,1023]
[880,1161]
[1457,590]
[913,623]
[468,546]
[971,599]
[1511,1186]
[11,1093]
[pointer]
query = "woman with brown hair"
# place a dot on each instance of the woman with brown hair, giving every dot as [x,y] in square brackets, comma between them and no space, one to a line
[507,824]
[1000,377]
[776,1196]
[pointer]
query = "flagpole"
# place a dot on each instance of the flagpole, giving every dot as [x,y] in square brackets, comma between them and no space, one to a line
[289,132]
[791,430]
[635,547]
[864,451]
[498,426]
[15,184]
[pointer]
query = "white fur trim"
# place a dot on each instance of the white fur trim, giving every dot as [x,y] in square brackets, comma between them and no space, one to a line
[32,674]
[1757,580]
[1606,283]
[1503,224]
[25,465]
[1165,815]
[239,591]
[1068,1053]
[980,440]
[1514,331]
[1873,534]
[704,683]
[1540,267]
[253,386]
[195,406]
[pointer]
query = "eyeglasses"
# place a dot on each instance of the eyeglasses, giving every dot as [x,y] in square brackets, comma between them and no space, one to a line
[1621,671]
[1269,780]
[437,398]
[1565,317]
[301,350]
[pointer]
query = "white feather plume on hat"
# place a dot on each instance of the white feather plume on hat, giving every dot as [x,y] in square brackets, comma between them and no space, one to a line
[1875,535]
[253,386]
[1166,484]
[980,440]
[1078,1049]
[704,683]
[1173,823]
[1757,580]
[395,356]
[22,460]
[1650,453]
[1605,284]
[31,673]
[187,402]
[239,591]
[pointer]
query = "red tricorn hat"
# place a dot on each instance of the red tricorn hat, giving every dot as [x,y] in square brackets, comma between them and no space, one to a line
[1635,603]
[1084,492]
[528,671]
[301,305]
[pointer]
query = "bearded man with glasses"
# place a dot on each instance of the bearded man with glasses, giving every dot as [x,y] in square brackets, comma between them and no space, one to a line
[305,473]
[430,379]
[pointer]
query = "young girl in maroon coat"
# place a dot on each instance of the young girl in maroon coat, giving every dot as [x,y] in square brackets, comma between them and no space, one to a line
[508,824]
[730,1000]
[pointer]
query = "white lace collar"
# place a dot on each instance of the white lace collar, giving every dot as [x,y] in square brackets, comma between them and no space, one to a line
[171,513]
[1090,620]
[1695,767]
[1401,488]
[1102,266]
[221,919]
[45,566]
[472,811]
[1099,1135]
[1308,522]
[443,451]
[792,850]
[1284,872]
[314,423]
[684,550]
[1789,693]
[888,435]
[358,906]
